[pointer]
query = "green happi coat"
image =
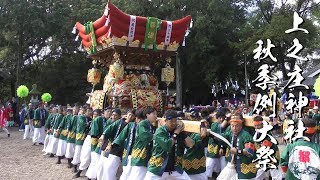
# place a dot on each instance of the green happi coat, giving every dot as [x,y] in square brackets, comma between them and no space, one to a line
[213,145]
[244,166]
[63,127]
[40,115]
[111,132]
[49,123]
[141,151]
[95,131]
[194,159]
[80,130]
[72,127]
[56,122]
[125,141]
[162,146]
[29,115]
[106,124]
[302,159]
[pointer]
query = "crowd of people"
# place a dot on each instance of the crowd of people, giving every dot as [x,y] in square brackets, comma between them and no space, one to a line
[99,142]
[8,114]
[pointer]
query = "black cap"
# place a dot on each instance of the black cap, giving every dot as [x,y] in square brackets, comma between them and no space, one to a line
[118,111]
[170,114]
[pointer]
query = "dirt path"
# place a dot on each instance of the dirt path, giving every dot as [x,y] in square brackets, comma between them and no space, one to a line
[20,160]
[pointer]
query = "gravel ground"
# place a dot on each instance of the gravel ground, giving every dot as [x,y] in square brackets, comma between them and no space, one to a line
[20,160]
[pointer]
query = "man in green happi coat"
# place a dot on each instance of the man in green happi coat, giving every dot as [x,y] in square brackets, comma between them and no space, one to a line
[301,159]
[96,131]
[71,137]
[55,138]
[40,116]
[28,130]
[107,121]
[47,126]
[142,148]
[108,136]
[85,156]
[168,149]
[194,158]
[62,131]
[80,136]
[215,160]
[114,158]
[242,152]
[126,140]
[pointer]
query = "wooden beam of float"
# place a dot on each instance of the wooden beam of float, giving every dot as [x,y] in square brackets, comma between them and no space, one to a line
[194,126]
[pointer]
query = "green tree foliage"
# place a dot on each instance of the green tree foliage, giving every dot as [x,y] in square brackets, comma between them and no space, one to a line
[37,46]
[270,20]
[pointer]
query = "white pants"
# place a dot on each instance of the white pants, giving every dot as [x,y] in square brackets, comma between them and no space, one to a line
[47,150]
[31,128]
[201,176]
[85,156]
[62,146]
[100,165]
[5,129]
[27,132]
[36,135]
[138,172]
[110,168]
[126,170]
[92,170]
[214,165]
[165,176]
[276,174]
[42,134]
[46,142]
[76,156]
[53,145]
[70,150]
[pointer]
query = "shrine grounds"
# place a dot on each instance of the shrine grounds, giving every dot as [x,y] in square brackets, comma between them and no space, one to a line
[19,159]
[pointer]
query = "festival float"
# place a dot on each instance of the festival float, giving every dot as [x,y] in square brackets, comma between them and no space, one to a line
[130,47]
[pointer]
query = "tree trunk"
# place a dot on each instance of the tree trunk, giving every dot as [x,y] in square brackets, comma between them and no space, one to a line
[12,87]
[281,61]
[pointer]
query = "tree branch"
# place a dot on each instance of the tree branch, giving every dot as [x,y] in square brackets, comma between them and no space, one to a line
[262,11]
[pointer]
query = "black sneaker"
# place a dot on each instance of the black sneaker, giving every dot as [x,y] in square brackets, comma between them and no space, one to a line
[41,144]
[77,174]
[8,135]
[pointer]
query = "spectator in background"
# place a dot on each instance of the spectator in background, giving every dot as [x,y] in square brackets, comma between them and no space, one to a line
[10,114]
[28,131]
[3,119]
[22,115]
[15,111]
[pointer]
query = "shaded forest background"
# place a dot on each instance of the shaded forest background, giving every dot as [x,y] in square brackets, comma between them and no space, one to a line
[37,46]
